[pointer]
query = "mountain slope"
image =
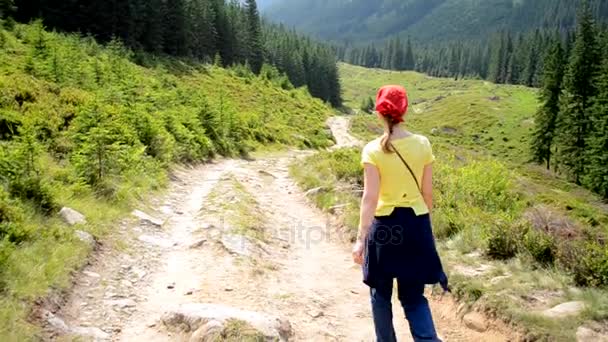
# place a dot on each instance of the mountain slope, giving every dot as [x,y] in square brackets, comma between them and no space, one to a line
[82,126]
[425,20]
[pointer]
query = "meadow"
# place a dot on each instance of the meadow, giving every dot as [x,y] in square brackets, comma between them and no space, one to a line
[516,238]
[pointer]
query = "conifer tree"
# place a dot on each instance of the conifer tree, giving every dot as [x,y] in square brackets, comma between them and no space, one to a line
[175,27]
[255,55]
[596,177]
[410,61]
[579,89]
[546,116]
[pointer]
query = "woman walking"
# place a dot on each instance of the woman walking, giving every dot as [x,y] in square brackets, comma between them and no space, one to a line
[395,239]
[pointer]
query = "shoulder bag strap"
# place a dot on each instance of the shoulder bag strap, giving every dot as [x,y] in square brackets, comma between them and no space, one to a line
[408,167]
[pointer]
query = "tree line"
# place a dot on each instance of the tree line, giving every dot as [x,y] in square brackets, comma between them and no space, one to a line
[571,134]
[510,56]
[204,30]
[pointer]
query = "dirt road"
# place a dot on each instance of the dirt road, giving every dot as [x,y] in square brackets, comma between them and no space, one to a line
[290,262]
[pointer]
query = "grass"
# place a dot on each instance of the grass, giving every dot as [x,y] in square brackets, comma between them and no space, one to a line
[96,128]
[239,209]
[502,223]
[237,331]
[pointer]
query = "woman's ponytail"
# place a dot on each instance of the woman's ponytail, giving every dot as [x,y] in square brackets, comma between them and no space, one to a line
[386,138]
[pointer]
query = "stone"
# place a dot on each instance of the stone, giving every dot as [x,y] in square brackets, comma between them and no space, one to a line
[93,333]
[91,274]
[266,173]
[314,191]
[208,332]
[55,322]
[498,280]
[238,244]
[122,303]
[139,273]
[156,241]
[584,334]
[193,316]
[315,313]
[86,238]
[147,219]
[470,271]
[565,310]
[475,321]
[71,216]
[197,244]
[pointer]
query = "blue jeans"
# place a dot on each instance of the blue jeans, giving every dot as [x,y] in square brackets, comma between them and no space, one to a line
[415,305]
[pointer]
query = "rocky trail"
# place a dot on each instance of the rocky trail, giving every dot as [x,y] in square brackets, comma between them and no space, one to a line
[231,242]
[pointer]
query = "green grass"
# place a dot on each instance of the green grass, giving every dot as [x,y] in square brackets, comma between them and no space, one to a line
[239,209]
[493,209]
[96,128]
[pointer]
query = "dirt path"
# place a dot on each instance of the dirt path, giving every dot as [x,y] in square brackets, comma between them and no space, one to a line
[300,271]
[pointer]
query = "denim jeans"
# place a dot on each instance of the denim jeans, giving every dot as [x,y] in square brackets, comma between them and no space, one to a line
[415,305]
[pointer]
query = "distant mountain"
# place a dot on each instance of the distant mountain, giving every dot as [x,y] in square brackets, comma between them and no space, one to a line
[424,20]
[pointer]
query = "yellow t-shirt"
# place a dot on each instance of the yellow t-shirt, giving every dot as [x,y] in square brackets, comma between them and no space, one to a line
[397,187]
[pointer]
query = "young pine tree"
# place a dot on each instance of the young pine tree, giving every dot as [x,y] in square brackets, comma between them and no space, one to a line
[255,54]
[546,116]
[410,61]
[596,177]
[579,89]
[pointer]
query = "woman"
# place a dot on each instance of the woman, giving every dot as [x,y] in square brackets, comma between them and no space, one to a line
[395,239]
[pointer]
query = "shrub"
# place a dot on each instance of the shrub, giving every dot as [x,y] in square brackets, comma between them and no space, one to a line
[34,190]
[11,220]
[586,260]
[541,246]
[503,239]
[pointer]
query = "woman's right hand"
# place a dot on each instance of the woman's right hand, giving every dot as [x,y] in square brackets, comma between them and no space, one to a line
[358,251]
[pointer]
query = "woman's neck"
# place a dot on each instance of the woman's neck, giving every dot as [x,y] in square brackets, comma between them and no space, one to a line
[400,132]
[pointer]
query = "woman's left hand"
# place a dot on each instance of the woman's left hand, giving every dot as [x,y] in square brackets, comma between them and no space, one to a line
[358,250]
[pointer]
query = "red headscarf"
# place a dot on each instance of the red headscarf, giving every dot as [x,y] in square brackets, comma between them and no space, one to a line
[392,102]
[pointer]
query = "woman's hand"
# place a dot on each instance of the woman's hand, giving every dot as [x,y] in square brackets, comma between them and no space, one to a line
[358,251]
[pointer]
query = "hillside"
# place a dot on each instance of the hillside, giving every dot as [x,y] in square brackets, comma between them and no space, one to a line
[83,126]
[361,21]
[516,239]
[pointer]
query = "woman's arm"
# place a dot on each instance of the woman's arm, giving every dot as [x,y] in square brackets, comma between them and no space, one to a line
[427,186]
[371,193]
[369,203]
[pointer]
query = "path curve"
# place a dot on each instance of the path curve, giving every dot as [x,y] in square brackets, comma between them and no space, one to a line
[304,272]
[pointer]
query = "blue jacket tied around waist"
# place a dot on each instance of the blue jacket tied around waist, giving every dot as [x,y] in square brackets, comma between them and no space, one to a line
[402,246]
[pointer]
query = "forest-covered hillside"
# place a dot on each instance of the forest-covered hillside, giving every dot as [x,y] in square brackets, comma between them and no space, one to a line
[201,30]
[361,21]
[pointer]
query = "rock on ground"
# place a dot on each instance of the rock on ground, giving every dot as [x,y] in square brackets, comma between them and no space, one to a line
[147,219]
[93,333]
[71,216]
[584,334]
[156,241]
[86,238]
[193,316]
[238,244]
[208,332]
[565,309]
[475,321]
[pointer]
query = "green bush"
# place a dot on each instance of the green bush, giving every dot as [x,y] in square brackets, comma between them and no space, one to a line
[586,260]
[34,190]
[541,246]
[11,220]
[503,240]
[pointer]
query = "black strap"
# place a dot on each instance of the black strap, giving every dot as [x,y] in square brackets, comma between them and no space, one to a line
[408,167]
